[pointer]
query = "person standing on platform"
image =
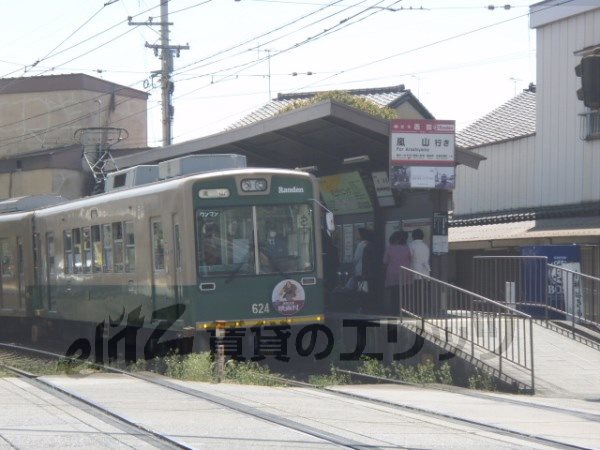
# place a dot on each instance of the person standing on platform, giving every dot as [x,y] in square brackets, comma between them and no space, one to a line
[396,255]
[419,252]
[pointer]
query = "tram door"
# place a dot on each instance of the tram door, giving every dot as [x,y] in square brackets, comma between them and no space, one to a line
[50,272]
[159,270]
[177,260]
[21,273]
[37,261]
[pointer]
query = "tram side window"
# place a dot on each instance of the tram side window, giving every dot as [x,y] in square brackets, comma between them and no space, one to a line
[6,260]
[68,244]
[158,246]
[76,237]
[107,252]
[129,247]
[118,246]
[96,249]
[87,250]
[50,251]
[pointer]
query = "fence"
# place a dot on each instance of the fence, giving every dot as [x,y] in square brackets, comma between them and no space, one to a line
[488,328]
[530,284]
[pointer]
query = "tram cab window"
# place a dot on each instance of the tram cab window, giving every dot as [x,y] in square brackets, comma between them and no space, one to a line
[225,241]
[285,238]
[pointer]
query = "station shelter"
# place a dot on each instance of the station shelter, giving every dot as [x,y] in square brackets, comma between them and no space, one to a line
[348,150]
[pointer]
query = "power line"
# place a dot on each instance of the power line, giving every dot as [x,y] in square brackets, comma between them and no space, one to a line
[255,38]
[431,44]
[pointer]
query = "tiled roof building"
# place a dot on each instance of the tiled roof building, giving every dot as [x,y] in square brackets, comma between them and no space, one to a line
[514,119]
[392,97]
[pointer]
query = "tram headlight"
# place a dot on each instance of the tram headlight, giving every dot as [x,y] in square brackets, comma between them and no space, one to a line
[254,185]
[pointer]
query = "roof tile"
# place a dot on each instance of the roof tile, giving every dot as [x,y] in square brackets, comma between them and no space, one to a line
[514,119]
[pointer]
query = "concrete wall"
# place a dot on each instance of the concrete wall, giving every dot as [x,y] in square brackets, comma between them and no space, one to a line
[67,183]
[39,120]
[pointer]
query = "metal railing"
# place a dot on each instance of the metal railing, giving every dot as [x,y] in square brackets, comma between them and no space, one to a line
[580,295]
[546,291]
[489,331]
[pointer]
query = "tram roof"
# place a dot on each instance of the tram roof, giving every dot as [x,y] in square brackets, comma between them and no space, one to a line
[153,188]
[321,135]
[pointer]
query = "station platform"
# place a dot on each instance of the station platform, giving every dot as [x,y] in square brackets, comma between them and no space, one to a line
[295,417]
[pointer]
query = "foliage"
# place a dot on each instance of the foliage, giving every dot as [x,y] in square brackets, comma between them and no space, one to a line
[333,378]
[482,380]
[202,367]
[346,98]
[194,366]
[421,374]
[249,372]
[373,367]
[444,375]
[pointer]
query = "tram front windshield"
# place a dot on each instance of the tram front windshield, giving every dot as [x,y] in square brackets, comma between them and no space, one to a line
[255,240]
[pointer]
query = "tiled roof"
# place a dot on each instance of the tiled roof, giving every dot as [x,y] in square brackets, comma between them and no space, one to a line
[390,96]
[514,119]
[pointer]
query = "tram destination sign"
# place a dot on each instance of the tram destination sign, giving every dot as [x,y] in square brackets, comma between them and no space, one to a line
[422,154]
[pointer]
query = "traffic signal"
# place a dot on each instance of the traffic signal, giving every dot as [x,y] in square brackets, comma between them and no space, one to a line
[589,71]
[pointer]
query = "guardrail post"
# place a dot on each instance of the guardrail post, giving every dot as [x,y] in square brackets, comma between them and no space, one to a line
[220,367]
[532,356]
[500,340]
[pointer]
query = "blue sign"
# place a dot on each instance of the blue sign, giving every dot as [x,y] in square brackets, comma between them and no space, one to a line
[567,256]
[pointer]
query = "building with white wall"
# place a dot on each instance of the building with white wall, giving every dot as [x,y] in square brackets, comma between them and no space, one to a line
[540,184]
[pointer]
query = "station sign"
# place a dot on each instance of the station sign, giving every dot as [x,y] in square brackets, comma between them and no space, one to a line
[422,154]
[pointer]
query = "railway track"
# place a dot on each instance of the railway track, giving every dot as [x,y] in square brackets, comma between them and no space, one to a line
[328,437]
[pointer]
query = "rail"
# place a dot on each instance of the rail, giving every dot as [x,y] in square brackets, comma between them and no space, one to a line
[487,330]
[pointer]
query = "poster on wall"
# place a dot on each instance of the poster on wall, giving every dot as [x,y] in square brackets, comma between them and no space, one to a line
[381,181]
[439,243]
[563,293]
[422,154]
[345,193]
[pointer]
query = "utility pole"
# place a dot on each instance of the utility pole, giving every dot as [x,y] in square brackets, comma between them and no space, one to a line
[166,57]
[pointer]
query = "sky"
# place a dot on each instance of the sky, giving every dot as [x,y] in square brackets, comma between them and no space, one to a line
[459,57]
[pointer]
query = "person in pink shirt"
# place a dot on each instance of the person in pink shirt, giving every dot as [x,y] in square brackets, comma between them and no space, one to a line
[396,255]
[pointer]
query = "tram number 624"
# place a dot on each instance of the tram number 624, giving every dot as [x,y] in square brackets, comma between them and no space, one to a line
[260,308]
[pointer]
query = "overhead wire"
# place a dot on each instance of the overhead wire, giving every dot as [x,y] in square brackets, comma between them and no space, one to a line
[350,69]
[431,44]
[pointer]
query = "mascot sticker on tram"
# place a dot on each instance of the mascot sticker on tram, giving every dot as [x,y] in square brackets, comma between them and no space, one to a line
[288,297]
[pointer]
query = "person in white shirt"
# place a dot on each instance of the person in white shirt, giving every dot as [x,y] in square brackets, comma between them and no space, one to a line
[419,252]
[420,299]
